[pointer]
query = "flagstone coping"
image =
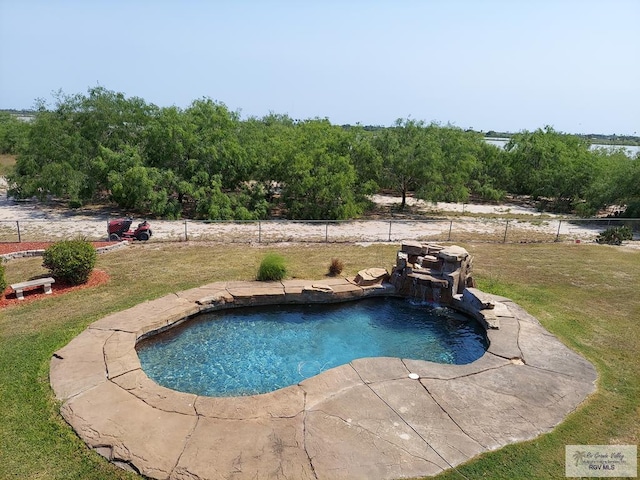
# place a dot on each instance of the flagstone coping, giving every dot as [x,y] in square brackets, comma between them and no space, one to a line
[368,419]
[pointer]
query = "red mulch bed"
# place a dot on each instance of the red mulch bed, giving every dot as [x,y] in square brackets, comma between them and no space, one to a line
[98,277]
[10,247]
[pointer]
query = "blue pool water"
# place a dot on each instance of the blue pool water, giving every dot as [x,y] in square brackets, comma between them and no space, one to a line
[261,349]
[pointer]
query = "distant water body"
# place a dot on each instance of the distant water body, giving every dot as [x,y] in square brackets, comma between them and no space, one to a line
[630,150]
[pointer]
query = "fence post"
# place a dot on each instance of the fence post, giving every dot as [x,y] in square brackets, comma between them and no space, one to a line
[505,232]
[390,230]
[19,237]
[558,234]
[451,226]
[326,232]
[259,231]
[186,235]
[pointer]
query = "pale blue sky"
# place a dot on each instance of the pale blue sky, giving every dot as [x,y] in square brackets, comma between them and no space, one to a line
[487,64]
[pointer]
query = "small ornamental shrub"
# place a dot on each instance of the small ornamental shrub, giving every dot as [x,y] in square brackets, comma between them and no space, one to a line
[336,267]
[615,235]
[3,281]
[271,268]
[71,261]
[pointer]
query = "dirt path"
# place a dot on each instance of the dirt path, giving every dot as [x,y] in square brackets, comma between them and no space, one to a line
[30,221]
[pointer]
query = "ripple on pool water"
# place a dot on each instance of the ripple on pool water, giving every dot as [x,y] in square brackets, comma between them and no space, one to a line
[255,350]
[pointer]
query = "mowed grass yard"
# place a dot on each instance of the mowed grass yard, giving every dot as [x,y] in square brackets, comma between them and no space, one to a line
[587,295]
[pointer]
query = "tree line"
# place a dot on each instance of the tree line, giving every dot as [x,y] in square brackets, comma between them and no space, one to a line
[205,162]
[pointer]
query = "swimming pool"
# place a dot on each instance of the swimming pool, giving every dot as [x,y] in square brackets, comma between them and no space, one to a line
[254,350]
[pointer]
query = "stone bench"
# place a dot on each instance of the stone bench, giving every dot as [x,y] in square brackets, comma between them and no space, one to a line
[45,282]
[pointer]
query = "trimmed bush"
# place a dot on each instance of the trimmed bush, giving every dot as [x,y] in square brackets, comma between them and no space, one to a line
[336,267]
[3,281]
[615,235]
[70,261]
[271,268]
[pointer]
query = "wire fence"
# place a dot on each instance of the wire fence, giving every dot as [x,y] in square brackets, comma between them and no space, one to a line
[458,229]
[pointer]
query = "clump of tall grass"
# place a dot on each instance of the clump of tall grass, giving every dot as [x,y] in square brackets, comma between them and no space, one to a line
[335,267]
[272,268]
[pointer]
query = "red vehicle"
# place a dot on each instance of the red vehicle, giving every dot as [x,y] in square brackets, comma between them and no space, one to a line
[119,230]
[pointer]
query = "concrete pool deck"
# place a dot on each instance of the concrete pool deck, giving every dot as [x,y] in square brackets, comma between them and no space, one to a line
[367,419]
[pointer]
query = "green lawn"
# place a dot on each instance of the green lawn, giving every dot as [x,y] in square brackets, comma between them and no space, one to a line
[585,294]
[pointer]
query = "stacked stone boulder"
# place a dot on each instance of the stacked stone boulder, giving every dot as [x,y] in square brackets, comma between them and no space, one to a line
[429,272]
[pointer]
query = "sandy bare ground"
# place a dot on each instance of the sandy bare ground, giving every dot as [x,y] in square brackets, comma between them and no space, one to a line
[33,221]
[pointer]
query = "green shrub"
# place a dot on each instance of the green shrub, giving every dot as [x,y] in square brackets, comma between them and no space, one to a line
[272,267]
[3,281]
[70,261]
[336,266]
[615,235]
